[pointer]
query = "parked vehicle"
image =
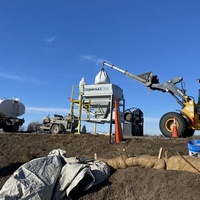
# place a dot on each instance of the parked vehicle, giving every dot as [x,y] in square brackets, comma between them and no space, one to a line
[58,124]
[10,110]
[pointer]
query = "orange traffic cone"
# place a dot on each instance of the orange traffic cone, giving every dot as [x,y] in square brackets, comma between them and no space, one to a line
[118,128]
[175,130]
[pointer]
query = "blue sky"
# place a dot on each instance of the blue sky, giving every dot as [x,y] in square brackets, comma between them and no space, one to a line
[48,46]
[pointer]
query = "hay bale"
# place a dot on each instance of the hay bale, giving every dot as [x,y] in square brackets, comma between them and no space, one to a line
[178,163]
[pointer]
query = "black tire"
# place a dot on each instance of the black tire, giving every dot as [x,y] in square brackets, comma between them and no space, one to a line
[7,128]
[189,132]
[15,128]
[38,128]
[128,116]
[166,124]
[10,128]
[62,129]
[55,129]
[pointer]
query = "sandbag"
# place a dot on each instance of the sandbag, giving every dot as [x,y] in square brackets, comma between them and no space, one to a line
[143,161]
[146,161]
[180,164]
[102,77]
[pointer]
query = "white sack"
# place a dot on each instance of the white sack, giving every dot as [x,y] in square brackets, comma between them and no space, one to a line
[102,77]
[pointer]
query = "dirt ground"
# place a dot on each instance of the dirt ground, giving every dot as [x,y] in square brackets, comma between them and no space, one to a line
[132,183]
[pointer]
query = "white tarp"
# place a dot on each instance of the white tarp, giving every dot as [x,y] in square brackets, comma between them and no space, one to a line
[53,177]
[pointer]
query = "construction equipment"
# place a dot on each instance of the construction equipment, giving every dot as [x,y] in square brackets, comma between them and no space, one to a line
[10,110]
[101,97]
[134,121]
[97,102]
[58,124]
[187,119]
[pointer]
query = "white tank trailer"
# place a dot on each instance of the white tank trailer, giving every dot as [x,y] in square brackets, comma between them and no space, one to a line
[10,110]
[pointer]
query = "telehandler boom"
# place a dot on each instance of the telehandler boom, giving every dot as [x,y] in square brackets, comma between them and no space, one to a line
[187,119]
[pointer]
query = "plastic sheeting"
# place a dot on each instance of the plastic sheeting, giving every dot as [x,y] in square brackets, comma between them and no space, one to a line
[53,177]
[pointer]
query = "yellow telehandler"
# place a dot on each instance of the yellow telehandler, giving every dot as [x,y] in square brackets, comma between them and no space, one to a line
[187,119]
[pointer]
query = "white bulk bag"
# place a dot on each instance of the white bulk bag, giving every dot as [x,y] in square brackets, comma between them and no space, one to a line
[102,77]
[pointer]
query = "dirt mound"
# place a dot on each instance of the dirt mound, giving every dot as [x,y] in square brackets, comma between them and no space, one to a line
[129,183]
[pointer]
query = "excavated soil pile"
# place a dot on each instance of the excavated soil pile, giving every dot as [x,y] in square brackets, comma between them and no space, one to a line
[137,182]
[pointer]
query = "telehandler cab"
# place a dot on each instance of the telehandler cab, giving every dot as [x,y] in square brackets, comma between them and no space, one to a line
[187,119]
